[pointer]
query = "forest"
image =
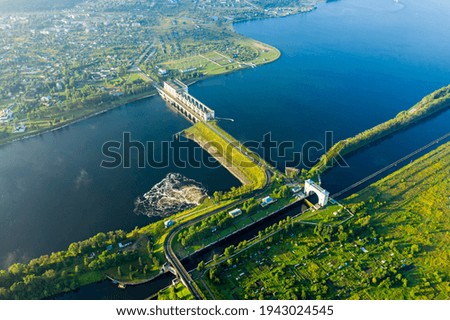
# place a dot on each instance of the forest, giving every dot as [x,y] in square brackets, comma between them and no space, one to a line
[125,257]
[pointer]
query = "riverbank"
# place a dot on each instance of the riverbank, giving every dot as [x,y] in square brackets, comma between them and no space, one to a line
[429,105]
[266,54]
[129,257]
[91,114]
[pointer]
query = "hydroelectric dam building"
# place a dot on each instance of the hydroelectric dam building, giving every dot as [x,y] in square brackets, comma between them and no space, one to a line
[176,94]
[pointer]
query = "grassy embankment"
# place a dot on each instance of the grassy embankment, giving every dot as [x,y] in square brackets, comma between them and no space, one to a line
[229,152]
[396,247]
[222,224]
[432,103]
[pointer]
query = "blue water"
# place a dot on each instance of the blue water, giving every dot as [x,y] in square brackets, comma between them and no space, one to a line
[345,67]
[53,190]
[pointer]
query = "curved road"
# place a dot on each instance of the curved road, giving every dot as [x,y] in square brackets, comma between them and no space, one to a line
[172,257]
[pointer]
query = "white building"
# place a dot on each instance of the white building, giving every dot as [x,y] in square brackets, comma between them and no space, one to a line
[5,115]
[168,223]
[266,201]
[234,213]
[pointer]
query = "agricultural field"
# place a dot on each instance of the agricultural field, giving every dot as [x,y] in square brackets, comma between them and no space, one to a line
[397,246]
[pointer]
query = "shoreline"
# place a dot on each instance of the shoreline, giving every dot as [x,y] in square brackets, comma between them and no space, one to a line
[74,121]
[433,103]
[246,65]
[131,100]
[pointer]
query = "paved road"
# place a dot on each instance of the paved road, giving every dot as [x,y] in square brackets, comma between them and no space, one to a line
[172,257]
[168,251]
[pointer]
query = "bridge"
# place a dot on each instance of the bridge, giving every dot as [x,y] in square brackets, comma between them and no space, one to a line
[312,187]
[177,95]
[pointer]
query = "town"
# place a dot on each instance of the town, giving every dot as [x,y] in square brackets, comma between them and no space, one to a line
[57,67]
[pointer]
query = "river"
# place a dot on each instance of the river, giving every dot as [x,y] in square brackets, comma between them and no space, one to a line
[345,67]
[53,190]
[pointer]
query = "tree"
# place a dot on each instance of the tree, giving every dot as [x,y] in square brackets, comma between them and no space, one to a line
[229,251]
[156,262]
[74,248]
[201,266]
[122,71]
[172,293]
[213,275]
[217,196]
[149,247]
[414,249]
[16,269]
[145,270]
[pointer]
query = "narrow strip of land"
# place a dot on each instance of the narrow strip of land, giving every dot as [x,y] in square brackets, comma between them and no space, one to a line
[431,104]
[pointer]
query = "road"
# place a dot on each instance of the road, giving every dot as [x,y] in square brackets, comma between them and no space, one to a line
[172,257]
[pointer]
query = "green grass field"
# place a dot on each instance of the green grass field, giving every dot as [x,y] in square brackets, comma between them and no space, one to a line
[230,156]
[215,62]
[177,292]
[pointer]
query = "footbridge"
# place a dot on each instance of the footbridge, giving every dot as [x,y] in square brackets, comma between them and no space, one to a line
[177,95]
[312,187]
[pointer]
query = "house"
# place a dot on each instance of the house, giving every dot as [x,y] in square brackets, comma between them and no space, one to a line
[124,245]
[46,100]
[266,201]
[234,213]
[5,115]
[162,72]
[168,223]
[296,189]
